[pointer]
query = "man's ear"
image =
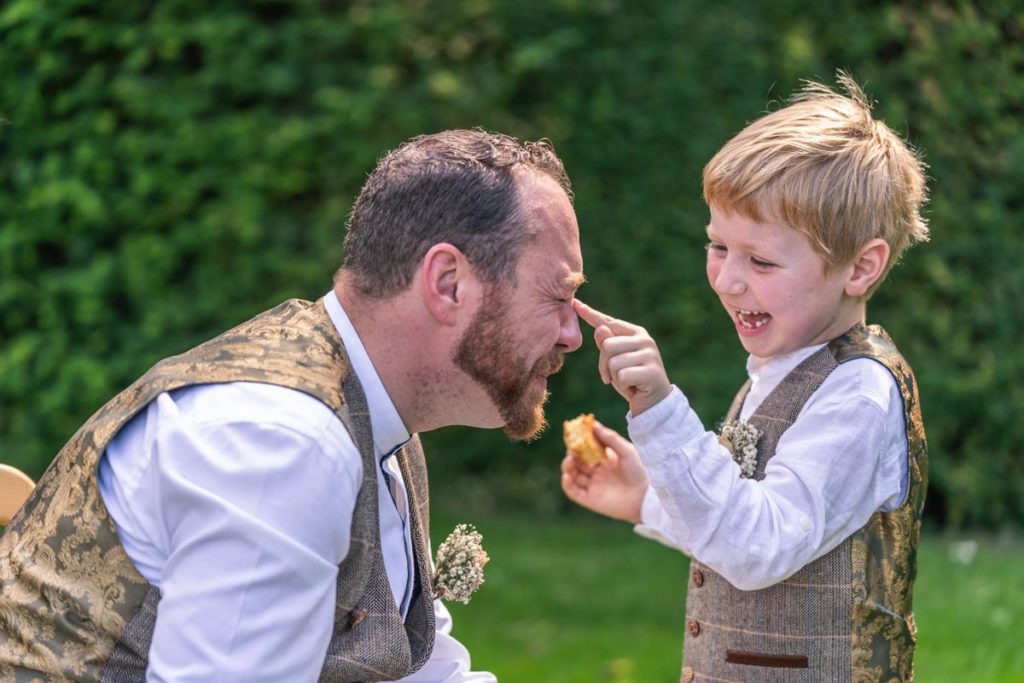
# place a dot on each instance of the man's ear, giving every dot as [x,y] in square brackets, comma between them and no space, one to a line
[447,280]
[868,266]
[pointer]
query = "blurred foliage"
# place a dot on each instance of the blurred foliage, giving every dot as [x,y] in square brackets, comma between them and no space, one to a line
[170,169]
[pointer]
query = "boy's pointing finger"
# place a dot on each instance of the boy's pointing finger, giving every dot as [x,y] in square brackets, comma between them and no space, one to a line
[598,320]
[591,316]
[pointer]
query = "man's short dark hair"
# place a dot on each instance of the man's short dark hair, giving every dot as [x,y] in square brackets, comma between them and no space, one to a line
[457,186]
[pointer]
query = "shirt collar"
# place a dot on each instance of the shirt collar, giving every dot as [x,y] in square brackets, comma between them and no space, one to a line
[389,432]
[766,373]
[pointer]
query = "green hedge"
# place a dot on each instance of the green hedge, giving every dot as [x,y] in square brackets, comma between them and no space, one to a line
[170,169]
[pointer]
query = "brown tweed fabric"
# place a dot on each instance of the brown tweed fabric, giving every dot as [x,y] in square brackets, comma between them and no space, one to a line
[74,608]
[371,643]
[844,617]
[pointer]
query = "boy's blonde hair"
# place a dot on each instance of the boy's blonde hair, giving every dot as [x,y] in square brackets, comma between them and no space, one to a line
[822,165]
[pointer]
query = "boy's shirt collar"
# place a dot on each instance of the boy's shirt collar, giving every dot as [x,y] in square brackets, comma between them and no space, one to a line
[766,373]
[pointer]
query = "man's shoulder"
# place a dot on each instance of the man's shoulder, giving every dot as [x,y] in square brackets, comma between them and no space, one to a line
[255,403]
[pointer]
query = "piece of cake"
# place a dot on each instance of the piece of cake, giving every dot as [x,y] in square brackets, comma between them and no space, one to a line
[578,434]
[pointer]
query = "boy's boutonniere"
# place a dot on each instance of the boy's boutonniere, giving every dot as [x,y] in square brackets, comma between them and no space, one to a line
[741,439]
[459,568]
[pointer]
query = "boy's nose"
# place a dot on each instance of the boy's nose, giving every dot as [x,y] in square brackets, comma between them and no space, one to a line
[727,280]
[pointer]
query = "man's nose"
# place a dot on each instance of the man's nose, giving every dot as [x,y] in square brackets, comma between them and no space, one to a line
[570,336]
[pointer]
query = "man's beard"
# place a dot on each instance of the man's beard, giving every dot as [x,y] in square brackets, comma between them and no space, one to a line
[489,352]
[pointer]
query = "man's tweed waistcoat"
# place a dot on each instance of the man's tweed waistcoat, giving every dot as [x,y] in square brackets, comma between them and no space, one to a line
[74,608]
[845,616]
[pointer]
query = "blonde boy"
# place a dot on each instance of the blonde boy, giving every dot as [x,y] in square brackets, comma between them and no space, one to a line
[803,527]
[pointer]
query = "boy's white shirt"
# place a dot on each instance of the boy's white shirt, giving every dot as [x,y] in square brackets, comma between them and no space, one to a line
[843,459]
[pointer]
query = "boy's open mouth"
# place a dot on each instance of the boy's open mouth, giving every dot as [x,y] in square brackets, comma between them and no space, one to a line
[752,320]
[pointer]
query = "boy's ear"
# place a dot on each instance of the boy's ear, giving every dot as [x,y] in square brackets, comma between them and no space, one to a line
[447,282]
[868,266]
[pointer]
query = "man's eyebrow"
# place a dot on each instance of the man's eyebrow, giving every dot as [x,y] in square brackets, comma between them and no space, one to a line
[575,280]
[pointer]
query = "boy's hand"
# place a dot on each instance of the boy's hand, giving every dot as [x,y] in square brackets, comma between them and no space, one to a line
[614,487]
[629,360]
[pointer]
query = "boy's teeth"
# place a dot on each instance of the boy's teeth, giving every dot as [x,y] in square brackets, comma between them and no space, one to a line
[761,319]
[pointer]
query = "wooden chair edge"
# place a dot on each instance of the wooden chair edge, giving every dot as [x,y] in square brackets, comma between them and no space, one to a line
[15,487]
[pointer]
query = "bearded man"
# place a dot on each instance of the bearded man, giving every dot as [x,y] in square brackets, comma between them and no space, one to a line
[256,509]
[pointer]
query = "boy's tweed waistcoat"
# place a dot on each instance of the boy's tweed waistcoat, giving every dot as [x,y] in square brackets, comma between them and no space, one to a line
[847,615]
[74,608]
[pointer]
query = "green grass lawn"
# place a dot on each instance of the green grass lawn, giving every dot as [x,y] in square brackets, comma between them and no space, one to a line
[579,599]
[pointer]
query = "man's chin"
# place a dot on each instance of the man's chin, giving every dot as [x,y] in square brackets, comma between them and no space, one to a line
[526,433]
[528,424]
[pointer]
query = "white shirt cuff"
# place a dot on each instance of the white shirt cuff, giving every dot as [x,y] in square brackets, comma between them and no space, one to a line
[664,427]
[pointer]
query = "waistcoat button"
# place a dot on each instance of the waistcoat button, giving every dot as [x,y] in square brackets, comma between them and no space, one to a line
[698,578]
[693,626]
[357,617]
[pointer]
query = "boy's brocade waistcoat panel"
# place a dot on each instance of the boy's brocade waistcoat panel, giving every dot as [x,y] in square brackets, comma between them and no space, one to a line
[74,608]
[845,616]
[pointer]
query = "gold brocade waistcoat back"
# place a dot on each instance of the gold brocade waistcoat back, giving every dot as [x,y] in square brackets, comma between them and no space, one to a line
[884,551]
[74,608]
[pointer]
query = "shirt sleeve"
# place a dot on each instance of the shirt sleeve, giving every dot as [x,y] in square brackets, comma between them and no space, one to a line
[250,511]
[449,661]
[657,525]
[831,471]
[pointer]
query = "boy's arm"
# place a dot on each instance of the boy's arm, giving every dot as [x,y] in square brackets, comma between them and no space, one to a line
[837,465]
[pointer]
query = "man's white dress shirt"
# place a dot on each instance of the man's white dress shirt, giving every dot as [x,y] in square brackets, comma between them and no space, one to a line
[236,501]
[843,459]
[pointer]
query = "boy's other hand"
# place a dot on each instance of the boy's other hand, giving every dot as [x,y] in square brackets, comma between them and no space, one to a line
[615,486]
[629,361]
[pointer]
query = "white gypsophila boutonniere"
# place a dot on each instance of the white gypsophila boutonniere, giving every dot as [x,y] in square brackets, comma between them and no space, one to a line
[741,439]
[459,567]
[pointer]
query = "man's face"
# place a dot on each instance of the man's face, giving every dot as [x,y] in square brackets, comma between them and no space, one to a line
[523,328]
[492,353]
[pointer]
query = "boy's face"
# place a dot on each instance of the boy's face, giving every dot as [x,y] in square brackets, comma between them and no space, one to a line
[774,286]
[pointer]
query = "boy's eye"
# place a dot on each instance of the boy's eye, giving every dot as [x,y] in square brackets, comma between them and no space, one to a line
[715,247]
[761,264]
